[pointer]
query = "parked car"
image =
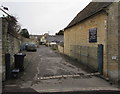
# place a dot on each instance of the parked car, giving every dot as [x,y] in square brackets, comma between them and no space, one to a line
[52,43]
[31,47]
[23,46]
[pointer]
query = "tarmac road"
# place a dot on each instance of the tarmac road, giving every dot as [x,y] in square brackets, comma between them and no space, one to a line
[48,63]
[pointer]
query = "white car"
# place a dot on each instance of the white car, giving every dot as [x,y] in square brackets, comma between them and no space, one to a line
[52,43]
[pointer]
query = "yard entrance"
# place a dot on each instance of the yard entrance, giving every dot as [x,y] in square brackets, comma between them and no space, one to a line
[48,71]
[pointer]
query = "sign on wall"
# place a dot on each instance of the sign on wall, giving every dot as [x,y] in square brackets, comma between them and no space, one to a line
[93,35]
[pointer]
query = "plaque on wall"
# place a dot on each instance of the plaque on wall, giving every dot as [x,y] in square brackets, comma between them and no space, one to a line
[93,35]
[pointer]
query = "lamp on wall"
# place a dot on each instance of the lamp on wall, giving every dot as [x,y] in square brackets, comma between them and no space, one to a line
[5,8]
[2,8]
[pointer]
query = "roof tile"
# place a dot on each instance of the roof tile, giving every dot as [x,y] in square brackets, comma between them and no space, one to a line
[89,10]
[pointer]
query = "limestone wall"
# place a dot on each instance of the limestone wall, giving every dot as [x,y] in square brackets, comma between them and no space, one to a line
[10,44]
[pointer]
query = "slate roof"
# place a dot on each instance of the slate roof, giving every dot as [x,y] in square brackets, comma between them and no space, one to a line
[91,9]
[55,38]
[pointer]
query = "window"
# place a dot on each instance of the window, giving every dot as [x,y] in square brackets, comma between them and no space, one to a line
[93,35]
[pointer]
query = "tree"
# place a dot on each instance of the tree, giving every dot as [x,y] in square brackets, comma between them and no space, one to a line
[24,32]
[13,24]
[61,32]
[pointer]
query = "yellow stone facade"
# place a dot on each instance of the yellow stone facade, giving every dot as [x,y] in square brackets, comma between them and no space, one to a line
[79,34]
[108,34]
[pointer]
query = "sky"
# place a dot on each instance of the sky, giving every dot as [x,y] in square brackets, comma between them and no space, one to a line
[44,16]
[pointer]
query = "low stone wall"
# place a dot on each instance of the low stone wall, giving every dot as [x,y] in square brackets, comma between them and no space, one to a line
[54,47]
[61,49]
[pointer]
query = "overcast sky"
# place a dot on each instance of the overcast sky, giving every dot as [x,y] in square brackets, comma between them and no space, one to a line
[43,16]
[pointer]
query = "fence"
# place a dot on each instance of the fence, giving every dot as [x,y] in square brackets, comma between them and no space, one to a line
[89,56]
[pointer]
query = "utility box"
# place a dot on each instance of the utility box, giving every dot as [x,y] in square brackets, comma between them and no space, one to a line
[19,61]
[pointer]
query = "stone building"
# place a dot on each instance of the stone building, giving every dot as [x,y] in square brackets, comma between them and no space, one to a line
[97,24]
[35,39]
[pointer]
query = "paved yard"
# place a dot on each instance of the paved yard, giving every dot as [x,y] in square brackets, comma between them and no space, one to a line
[48,63]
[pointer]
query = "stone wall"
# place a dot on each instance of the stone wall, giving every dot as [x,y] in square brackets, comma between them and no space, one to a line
[108,34]
[119,43]
[79,34]
[88,56]
[10,44]
[0,56]
[61,49]
[113,41]
[4,45]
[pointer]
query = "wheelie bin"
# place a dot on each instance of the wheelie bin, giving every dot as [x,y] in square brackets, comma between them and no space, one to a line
[19,61]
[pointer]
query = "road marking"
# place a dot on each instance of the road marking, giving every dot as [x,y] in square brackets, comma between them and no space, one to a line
[10,85]
[78,89]
[69,76]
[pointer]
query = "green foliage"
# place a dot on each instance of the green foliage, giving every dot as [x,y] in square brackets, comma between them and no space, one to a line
[24,32]
[61,32]
[13,24]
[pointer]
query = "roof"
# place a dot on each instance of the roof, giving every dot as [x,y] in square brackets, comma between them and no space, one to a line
[91,9]
[55,38]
